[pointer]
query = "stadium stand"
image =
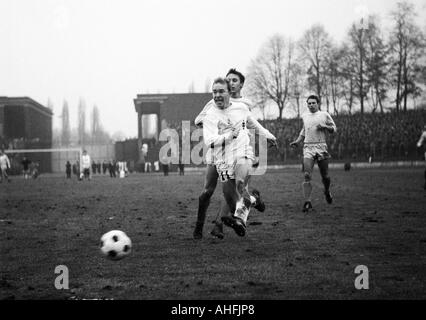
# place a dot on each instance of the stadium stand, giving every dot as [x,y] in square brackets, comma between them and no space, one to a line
[383,137]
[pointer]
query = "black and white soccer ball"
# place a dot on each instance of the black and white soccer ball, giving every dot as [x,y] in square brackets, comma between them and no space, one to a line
[115,245]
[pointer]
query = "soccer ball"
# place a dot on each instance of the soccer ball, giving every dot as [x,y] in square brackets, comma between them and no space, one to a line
[115,245]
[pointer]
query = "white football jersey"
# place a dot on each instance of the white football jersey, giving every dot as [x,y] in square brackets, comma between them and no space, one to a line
[310,122]
[4,161]
[85,161]
[199,119]
[217,131]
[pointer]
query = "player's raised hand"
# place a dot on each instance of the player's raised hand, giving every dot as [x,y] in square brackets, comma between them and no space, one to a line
[273,143]
[235,132]
[322,127]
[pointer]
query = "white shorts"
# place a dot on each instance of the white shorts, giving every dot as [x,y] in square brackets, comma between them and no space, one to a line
[226,171]
[210,157]
[316,151]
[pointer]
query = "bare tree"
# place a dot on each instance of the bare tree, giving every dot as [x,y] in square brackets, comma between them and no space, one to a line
[358,44]
[99,135]
[66,129]
[377,64]
[191,88]
[258,96]
[408,43]
[336,76]
[270,71]
[49,104]
[207,85]
[347,73]
[315,45]
[96,126]
[82,122]
[297,84]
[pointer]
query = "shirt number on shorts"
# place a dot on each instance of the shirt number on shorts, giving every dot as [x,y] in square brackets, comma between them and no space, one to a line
[224,176]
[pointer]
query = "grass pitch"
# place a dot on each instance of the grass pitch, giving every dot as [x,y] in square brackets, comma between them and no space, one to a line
[378,219]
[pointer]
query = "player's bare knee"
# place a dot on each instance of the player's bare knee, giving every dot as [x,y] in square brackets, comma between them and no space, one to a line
[240,185]
[325,178]
[206,194]
[307,176]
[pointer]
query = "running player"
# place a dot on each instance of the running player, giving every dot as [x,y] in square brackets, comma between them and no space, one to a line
[419,144]
[226,132]
[315,125]
[237,80]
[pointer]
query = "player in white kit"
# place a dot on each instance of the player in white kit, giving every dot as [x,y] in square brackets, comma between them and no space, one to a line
[4,166]
[236,80]
[226,131]
[419,145]
[313,134]
[85,164]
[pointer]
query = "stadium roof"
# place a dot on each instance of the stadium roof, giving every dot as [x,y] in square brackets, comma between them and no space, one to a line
[172,106]
[27,102]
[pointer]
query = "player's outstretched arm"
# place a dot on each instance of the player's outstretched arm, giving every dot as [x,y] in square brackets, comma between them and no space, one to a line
[199,119]
[252,123]
[299,139]
[422,139]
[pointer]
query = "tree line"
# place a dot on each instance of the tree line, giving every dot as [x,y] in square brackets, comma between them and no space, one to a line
[371,70]
[83,134]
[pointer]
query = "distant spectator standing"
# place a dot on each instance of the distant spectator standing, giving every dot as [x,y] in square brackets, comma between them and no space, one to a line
[4,166]
[75,170]
[181,166]
[144,155]
[68,169]
[85,165]
[105,166]
[111,169]
[26,167]
[116,167]
[93,167]
[34,170]
[157,166]
[165,165]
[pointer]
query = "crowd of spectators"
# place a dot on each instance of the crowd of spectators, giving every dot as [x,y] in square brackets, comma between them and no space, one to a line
[360,137]
[388,136]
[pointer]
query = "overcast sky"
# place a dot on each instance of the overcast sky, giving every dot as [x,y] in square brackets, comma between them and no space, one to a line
[107,52]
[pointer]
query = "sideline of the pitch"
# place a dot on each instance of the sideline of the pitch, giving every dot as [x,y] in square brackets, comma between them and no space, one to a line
[362,165]
[201,170]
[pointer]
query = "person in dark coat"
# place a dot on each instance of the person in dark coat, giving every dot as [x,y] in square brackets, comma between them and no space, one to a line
[68,169]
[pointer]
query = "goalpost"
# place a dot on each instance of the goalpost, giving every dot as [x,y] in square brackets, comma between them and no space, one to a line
[59,156]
